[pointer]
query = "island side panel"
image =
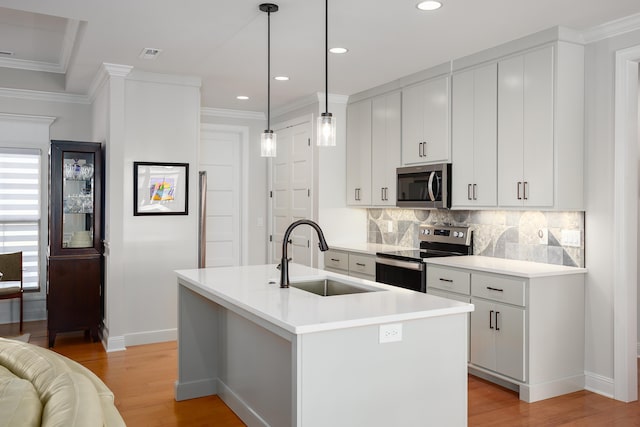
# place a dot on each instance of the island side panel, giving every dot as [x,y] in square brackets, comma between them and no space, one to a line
[349,378]
[197,345]
[255,375]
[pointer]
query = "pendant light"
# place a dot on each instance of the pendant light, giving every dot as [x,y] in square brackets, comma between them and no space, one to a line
[326,122]
[268,137]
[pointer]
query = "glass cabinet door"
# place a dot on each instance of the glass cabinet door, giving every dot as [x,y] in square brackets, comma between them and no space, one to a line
[78,200]
[76,188]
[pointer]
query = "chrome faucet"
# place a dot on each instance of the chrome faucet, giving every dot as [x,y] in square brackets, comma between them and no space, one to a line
[284,262]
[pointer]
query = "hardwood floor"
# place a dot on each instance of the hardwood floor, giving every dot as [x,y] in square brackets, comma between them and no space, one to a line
[142,379]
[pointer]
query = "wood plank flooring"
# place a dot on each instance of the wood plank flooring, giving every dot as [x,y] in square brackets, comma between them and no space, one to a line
[142,379]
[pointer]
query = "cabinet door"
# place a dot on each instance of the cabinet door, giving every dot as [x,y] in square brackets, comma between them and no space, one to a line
[510,130]
[525,129]
[474,137]
[412,125]
[485,132]
[483,347]
[509,338]
[385,146]
[462,138]
[538,162]
[436,120]
[359,154]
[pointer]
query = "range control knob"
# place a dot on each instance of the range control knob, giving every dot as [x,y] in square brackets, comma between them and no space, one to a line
[455,234]
[461,234]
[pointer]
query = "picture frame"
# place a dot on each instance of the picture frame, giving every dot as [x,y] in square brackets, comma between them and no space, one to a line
[160,188]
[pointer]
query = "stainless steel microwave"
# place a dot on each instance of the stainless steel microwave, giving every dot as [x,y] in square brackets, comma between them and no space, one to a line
[424,186]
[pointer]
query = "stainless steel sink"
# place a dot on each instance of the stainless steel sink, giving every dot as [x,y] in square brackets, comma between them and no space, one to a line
[331,287]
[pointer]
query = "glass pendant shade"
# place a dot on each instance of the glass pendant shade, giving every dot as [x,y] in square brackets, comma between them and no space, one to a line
[268,144]
[326,130]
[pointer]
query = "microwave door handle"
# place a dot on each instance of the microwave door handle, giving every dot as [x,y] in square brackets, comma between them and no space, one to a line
[431,195]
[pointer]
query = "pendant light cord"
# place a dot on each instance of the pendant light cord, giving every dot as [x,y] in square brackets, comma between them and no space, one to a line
[326,56]
[269,70]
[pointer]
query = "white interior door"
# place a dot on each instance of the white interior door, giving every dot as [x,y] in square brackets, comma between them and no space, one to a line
[291,178]
[220,157]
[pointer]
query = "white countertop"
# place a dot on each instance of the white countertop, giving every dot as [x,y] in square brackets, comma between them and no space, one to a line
[510,267]
[300,312]
[366,248]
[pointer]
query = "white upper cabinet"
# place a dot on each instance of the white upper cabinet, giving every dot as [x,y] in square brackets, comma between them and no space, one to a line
[359,153]
[525,129]
[425,122]
[385,144]
[540,128]
[474,137]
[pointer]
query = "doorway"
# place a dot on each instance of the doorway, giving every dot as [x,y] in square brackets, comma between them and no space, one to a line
[221,151]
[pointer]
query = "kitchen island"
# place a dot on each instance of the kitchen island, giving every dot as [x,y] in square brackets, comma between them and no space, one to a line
[289,357]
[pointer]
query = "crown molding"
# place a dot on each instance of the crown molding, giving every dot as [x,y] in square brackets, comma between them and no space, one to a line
[333,98]
[612,28]
[35,95]
[171,79]
[45,120]
[232,114]
[24,64]
[105,72]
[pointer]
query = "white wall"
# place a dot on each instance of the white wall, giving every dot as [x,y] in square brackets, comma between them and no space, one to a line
[599,217]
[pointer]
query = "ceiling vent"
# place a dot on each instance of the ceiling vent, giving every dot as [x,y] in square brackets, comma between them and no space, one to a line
[149,53]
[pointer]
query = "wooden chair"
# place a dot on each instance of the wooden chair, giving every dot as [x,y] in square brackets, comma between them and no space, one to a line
[11,269]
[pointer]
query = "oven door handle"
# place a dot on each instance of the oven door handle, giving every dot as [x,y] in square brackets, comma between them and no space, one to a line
[410,265]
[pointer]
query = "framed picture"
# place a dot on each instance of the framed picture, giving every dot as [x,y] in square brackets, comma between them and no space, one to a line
[160,188]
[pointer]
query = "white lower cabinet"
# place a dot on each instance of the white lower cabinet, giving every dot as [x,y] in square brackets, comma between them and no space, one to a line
[497,338]
[526,333]
[356,264]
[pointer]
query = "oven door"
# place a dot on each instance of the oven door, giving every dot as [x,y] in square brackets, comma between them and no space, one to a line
[401,273]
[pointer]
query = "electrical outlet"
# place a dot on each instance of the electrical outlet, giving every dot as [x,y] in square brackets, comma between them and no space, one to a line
[571,238]
[390,333]
[543,236]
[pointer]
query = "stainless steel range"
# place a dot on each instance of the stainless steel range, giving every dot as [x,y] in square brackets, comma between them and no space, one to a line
[407,268]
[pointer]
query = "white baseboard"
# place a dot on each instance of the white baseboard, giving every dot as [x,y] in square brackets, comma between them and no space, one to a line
[599,384]
[194,389]
[239,406]
[111,344]
[151,337]
[557,387]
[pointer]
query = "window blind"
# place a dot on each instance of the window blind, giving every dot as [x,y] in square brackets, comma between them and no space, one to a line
[20,209]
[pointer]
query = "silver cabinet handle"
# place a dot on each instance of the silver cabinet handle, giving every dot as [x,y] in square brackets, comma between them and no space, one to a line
[475,193]
[468,191]
[519,197]
[524,190]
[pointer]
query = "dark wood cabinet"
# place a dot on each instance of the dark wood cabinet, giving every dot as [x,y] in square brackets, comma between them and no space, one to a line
[75,264]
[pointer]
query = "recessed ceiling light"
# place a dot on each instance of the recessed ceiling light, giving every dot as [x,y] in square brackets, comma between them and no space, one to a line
[281,78]
[338,50]
[242,97]
[429,5]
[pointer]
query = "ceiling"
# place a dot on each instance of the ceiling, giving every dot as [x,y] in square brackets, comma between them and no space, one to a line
[224,42]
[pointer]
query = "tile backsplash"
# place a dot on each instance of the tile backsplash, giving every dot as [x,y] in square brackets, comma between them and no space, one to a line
[500,234]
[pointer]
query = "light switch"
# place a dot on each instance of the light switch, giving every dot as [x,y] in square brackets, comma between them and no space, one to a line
[571,238]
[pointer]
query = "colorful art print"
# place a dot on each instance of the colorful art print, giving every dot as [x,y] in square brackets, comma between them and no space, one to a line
[160,188]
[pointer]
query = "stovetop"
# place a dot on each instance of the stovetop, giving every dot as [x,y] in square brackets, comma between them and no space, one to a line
[437,241]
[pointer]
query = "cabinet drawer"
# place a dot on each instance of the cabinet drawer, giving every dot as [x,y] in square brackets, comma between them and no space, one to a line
[362,264]
[504,289]
[336,260]
[448,280]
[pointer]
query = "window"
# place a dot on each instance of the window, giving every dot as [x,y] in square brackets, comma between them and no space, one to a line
[20,209]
